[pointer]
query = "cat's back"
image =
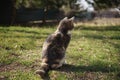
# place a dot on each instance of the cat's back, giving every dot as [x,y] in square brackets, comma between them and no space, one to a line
[54,43]
[54,38]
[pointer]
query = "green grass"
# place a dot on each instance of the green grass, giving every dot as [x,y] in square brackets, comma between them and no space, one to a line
[93,53]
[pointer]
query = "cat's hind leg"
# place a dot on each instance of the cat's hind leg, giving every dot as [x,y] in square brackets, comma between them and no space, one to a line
[59,63]
[43,71]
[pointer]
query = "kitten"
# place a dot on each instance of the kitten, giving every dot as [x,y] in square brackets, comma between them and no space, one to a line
[54,48]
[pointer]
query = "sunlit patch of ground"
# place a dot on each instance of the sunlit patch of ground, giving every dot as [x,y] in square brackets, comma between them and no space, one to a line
[93,53]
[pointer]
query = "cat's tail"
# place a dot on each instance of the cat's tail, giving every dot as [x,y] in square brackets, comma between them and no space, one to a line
[43,71]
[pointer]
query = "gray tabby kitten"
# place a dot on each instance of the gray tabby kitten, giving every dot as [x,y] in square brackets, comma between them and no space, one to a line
[54,48]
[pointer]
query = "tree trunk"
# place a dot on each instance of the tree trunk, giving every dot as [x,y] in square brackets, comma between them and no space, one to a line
[6,10]
[44,16]
[13,12]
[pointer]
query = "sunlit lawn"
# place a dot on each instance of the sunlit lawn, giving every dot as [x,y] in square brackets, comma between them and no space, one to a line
[93,53]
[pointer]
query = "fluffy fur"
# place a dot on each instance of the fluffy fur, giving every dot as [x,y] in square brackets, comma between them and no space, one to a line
[54,48]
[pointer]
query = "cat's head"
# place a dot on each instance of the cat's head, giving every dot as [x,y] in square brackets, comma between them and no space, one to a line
[66,24]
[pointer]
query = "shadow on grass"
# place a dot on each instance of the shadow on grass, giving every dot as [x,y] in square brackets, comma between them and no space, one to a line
[96,36]
[105,37]
[105,28]
[116,45]
[36,35]
[69,68]
[72,68]
[21,31]
[31,37]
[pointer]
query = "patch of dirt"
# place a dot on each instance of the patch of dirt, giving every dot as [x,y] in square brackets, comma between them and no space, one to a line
[85,76]
[3,77]
[18,66]
[29,55]
[9,67]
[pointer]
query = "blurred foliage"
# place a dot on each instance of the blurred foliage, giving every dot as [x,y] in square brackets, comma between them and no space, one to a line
[100,4]
[42,3]
[28,3]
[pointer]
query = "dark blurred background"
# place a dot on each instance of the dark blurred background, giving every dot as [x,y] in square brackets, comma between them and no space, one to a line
[42,11]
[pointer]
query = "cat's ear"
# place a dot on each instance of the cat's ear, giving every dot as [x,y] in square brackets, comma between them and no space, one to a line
[65,18]
[72,19]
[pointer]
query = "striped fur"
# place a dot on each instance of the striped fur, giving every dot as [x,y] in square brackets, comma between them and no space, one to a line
[54,48]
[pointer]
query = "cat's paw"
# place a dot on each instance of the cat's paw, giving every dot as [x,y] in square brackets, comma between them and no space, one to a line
[65,62]
[41,73]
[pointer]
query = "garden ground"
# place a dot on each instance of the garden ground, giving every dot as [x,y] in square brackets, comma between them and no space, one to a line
[93,53]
